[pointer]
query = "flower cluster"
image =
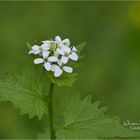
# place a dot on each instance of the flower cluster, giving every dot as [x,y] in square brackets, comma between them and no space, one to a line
[55,54]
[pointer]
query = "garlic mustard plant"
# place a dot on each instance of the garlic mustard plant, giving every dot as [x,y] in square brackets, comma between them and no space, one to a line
[55,55]
[33,95]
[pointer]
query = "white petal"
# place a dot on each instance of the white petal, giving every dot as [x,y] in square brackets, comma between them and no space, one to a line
[38,60]
[73,56]
[66,49]
[45,47]
[57,39]
[74,49]
[58,72]
[56,54]
[54,67]
[36,51]
[47,42]
[66,40]
[60,51]
[36,47]
[45,54]
[47,66]
[64,59]
[59,62]
[68,69]
[52,59]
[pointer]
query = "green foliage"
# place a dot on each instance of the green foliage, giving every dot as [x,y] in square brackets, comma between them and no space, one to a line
[80,47]
[64,80]
[28,45]
[85,120]
[25,92]
[80,119]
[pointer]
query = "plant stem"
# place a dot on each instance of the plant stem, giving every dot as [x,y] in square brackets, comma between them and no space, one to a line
[50,109]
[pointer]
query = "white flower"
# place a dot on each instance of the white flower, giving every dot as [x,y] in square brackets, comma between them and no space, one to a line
[38,49]
[73,56]
[45,47]
[60,42]
[54,54]
[35,50]
[47,61]
[59,70]
[69,55]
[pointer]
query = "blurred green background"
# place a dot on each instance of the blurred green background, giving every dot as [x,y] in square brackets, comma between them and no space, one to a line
[111,64]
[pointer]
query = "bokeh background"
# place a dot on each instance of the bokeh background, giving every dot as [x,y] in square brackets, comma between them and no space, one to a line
[111,65]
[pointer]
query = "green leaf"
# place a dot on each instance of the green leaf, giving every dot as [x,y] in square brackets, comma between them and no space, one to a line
[45,135]
[80,47]
[64,80]
[84,119]
[25,92]
[29,45]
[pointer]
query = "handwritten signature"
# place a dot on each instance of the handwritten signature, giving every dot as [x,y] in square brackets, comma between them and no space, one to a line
[132,125]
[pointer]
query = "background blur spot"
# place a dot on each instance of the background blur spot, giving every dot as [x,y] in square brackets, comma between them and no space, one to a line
[134,13]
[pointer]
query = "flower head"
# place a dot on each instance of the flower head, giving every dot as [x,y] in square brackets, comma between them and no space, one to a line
[55,55]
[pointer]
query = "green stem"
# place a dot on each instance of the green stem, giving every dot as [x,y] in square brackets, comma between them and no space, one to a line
[50,109]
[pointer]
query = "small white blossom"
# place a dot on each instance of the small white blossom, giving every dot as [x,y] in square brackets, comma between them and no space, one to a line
[60,42]
[55,55]
[35,50]
[59,70]
[69,55]
[38,49]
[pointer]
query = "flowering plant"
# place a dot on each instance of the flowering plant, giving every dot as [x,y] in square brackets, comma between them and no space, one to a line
[33,95]
[55,54]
